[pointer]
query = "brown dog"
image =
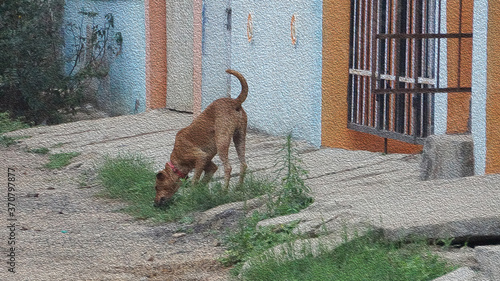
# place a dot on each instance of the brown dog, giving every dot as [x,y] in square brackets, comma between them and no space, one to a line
[195,146]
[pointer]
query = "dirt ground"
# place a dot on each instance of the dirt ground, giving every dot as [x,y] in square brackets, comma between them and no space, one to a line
[64,232]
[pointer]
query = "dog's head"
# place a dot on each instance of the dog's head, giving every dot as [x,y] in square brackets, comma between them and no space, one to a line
[166,186]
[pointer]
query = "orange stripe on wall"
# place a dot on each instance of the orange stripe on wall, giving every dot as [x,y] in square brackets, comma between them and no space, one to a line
[493,90]
[459,103]
[156,54]
[334,132]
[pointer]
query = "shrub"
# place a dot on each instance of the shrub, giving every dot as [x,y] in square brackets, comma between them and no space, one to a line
[33,82]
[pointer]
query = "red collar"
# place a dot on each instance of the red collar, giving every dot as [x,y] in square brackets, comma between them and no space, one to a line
[176,171]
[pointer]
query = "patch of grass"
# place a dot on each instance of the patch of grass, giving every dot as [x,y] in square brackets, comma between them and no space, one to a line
[59,160]
[7,125]
[132,179]
[248,240]
[369,257]
[7,141]
[129,178]
[41,150]
[57,145]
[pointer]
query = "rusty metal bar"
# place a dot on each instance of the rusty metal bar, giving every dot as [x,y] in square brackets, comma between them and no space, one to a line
[421,90]
[439,44]
[374,62]
[424,36]
[459,44]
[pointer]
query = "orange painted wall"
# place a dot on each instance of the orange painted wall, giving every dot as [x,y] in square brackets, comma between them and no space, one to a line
[334,132]
[459,103]
[156,54]
[493,90]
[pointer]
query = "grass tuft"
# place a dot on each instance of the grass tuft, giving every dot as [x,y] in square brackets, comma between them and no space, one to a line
[248,240]
[41,150]
[59,160]
[7,125]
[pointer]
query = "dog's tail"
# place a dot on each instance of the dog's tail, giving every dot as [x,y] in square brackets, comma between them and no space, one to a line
[244,86]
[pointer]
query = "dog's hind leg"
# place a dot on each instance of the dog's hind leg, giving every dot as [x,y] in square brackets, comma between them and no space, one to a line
[239,143]
[222,142]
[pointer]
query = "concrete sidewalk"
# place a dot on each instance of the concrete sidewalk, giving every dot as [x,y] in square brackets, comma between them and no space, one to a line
[355,187]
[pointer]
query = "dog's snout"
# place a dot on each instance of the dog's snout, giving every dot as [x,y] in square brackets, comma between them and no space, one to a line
[161,202]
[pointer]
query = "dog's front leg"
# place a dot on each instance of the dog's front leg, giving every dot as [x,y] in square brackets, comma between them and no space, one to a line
[198,169]
[210,169]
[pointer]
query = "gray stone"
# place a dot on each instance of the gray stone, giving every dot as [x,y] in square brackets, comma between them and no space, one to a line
[447,157]
[489,261]
[461,274]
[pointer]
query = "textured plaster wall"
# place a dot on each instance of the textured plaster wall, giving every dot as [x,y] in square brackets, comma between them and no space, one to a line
[156,53]
[216,52]
[180,55]
[479,84]
[493,90]
[125,87]
[284,79]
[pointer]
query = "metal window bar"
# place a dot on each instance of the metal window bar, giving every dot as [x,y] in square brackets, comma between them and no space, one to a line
[394,66]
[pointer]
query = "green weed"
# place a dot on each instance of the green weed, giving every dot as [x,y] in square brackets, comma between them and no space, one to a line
[290,195]
[293,195]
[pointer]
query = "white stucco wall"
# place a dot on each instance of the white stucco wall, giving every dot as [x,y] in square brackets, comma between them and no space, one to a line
[441,99]
[127,78]
[479,85]
[180,55]
[284,79]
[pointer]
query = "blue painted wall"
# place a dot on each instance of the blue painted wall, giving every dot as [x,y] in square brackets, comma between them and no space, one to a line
[284,79]
[127,79]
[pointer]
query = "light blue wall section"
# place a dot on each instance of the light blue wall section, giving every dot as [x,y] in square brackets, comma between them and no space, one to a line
[216,51]
[284,79]
[127,78]
[479,85]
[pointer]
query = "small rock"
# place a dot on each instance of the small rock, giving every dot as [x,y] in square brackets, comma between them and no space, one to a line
[178,234]
[216,243]
[151,258]
[74,166]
